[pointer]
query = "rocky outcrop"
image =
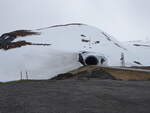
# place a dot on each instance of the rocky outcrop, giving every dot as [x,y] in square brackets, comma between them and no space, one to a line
[7,40]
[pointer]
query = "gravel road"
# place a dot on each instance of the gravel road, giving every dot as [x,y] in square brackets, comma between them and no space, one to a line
[75,96]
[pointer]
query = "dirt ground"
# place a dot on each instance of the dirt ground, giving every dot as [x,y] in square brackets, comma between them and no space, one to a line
[142,67]
[120,74]
[75,96]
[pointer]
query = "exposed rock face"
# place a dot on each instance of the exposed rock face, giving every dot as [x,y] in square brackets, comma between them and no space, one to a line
[87,74]
[7,40]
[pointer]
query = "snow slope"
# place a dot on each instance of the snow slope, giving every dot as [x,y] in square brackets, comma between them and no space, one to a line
[45,52]
[140,48]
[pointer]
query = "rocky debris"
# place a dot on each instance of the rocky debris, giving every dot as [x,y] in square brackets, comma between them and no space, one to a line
[136,62]
[83,35]
[141,45]
[84,40]
[20,44]
[15,45]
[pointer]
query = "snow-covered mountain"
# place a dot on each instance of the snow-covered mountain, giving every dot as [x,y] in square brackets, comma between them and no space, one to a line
[46,52]
[140,49]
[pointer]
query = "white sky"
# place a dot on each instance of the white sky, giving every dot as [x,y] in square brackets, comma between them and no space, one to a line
[124,19]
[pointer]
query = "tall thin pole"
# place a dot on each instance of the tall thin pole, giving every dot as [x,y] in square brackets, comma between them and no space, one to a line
[27,75]
[122,60]
[21,75]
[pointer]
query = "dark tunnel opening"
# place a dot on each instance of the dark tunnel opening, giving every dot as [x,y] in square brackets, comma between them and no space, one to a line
[91,60]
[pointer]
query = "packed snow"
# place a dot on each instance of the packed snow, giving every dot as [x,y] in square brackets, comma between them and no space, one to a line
[60,54]
[141,49]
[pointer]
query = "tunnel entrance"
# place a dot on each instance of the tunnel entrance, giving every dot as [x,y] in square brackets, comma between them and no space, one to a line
[91,60]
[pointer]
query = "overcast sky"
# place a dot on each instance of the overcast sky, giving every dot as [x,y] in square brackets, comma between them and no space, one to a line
[124,19]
